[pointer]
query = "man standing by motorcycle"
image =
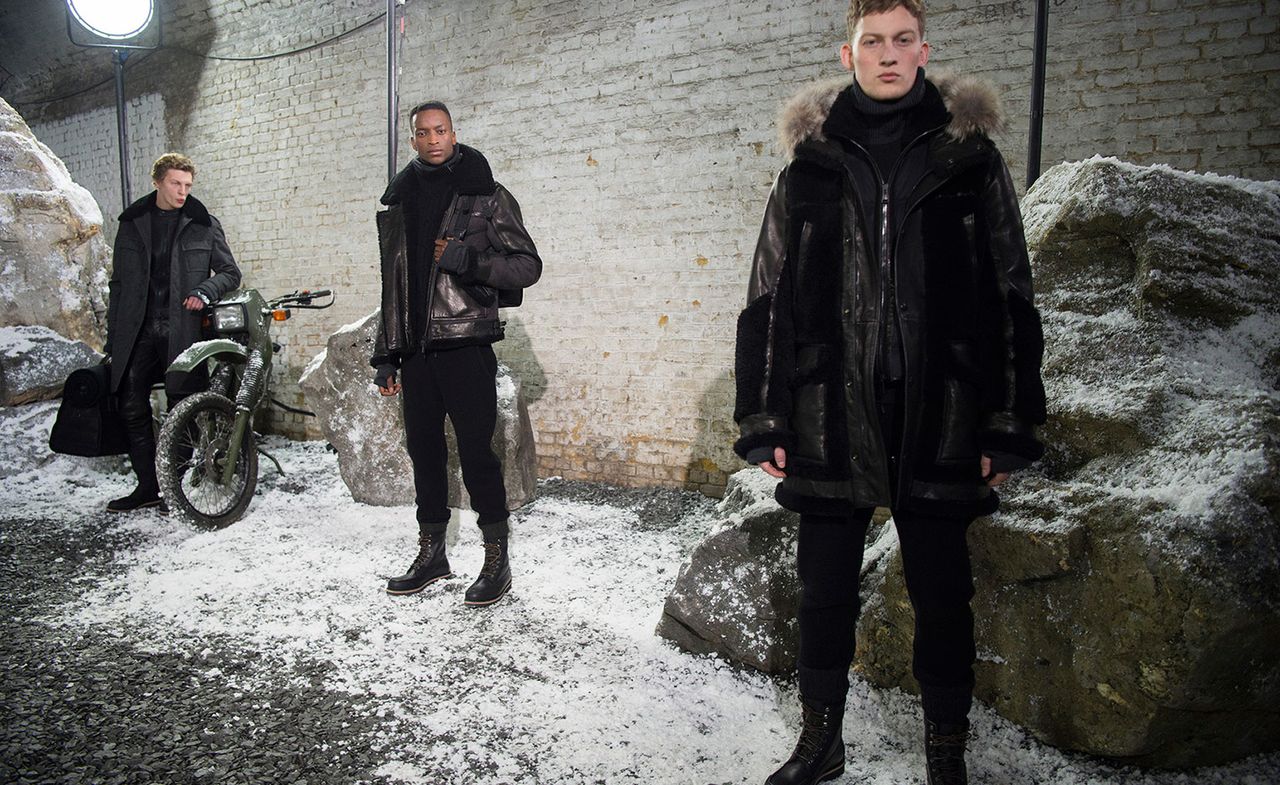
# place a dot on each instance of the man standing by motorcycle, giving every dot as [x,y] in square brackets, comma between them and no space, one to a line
[453,245]
[171,259]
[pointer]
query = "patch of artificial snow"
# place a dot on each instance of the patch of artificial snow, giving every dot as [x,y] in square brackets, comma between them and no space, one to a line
[562,682]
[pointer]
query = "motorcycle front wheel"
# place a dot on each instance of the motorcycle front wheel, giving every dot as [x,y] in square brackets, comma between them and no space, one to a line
[191,456]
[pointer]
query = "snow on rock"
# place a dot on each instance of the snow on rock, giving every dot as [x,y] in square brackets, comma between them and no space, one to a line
[53,258]
[1130,586]
[737,593]
[35,362]
[367,429]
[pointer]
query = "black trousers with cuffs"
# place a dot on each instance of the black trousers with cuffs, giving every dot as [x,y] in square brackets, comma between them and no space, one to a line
[461,384]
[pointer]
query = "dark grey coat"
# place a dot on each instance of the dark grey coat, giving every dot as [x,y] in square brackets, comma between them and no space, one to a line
[201,264]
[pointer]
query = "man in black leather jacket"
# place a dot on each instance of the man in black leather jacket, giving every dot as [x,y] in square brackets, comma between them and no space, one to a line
[170,261]
[889,356]
[454,248]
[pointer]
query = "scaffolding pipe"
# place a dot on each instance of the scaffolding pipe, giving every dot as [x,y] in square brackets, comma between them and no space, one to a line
[392,102]
[122,128]
[1037,92]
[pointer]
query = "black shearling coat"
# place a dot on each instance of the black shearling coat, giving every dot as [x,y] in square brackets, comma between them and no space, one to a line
[808,340]
[201,263]
[461,310]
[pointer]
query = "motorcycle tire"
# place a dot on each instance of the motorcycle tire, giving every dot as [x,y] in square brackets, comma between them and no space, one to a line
[191,455]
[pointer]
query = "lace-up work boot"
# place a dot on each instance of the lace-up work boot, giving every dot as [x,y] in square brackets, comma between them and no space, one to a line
[819,755]
[495,576]
[430,566]
[944,753]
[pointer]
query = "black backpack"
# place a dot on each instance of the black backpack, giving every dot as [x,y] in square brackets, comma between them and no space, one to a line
[507,298]
[88,421]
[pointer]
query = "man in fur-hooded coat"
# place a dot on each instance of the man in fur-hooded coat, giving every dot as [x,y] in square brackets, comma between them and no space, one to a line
[888,356]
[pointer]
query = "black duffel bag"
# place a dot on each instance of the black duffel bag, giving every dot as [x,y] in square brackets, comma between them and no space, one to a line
[88,421]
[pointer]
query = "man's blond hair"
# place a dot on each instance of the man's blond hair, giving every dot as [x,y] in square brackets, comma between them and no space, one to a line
[172,161]
[861,8]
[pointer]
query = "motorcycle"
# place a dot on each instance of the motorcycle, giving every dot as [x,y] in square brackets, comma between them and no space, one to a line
[206,454]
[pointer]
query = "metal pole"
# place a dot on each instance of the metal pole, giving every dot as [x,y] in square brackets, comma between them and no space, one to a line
[122,127]
[392,108]
[1037,92]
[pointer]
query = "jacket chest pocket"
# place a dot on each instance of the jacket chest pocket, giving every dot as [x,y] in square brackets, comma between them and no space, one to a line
[194,256]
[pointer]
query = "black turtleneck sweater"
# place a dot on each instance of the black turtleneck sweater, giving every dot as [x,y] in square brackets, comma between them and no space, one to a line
[880,128]
[164,227]
[425,206]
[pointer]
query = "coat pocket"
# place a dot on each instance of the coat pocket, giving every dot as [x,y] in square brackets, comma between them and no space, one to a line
[811,402]
[958,429]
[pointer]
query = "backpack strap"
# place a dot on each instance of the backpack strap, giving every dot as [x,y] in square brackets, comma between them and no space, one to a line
[461,216]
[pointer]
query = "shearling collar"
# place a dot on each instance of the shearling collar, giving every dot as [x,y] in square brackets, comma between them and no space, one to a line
[471,171]
[972,105]
[192,209]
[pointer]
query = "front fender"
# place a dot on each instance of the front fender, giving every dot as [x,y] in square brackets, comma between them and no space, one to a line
[195,355]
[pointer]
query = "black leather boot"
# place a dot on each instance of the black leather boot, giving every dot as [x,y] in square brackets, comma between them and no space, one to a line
[495,576]
[141,497]
[819,755]
[430,566]
[944,753]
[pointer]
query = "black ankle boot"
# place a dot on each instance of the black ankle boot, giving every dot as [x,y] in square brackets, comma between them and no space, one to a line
[819,755]
[430,566]
[140,498]
[944,753]
[495,576]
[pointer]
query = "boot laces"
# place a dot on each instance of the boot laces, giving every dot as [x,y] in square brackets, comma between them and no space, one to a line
[946,756]
[425,547]
[815,726]
[492,558]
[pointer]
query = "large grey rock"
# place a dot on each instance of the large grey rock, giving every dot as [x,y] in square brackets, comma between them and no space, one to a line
[1129,590]
[367,429]
[737,593]
[35,361]
[53,258]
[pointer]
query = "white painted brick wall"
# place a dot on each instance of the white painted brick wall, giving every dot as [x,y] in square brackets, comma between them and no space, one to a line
[638,138]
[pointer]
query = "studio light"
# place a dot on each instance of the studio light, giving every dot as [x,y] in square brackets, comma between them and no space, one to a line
[117,20]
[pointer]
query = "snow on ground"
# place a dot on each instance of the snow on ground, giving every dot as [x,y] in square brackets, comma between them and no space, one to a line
[563,682]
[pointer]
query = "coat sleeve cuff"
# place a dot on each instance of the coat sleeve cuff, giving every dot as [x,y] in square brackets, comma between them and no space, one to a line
[763,430]
[1005,432]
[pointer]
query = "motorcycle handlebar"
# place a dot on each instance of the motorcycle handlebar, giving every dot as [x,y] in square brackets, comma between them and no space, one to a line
[303,299]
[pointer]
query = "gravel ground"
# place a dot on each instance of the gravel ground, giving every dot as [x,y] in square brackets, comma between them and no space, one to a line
[94,709]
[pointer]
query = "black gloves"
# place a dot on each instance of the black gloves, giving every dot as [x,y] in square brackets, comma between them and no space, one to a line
[386,375]
[458,259]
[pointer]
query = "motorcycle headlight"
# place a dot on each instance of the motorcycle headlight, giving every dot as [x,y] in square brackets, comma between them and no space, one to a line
[229,318]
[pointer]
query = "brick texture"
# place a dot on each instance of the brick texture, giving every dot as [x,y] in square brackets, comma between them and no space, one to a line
[638,138]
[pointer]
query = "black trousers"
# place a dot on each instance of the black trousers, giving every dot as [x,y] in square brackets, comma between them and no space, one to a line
[459,383]
[935,558]
[147,365]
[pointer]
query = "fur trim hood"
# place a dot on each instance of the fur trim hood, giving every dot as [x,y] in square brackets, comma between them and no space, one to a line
[972,104]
